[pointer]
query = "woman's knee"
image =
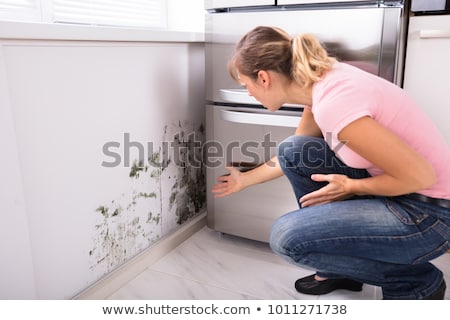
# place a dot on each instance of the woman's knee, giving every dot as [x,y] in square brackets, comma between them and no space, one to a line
[295,143]
[301,151]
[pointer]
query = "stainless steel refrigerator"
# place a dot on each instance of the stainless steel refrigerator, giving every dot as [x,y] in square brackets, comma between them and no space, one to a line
[239,131]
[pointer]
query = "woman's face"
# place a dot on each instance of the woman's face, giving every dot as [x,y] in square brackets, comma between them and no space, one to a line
[261,90]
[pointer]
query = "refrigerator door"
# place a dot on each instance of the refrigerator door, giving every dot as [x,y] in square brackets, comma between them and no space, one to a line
[364,37]
[217,4]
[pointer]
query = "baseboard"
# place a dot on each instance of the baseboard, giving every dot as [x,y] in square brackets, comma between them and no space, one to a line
[105,287]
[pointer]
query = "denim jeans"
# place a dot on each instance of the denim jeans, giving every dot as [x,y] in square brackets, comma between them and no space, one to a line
[383,241]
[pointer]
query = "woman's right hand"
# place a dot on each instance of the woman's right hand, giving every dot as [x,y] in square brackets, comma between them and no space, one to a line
[229,183]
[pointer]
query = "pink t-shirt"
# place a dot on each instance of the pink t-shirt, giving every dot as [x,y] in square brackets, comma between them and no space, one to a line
[347,93]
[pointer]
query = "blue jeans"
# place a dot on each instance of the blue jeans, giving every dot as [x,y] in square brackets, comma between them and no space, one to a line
[383,241]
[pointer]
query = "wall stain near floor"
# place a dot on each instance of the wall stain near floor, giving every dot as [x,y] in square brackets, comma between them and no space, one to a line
[165,191]
[188,191]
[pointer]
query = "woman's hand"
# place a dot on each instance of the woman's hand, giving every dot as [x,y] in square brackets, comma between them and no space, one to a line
[335,190]
[228,184]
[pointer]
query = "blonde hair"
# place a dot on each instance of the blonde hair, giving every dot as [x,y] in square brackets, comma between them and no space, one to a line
[301,59]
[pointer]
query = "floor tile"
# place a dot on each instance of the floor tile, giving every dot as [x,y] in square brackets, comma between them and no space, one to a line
[248,267]
[211,265]
[152,285]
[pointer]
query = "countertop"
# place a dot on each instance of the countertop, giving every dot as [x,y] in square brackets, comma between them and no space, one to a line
[54,31]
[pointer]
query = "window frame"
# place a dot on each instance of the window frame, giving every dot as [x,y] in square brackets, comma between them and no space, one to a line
[44,13]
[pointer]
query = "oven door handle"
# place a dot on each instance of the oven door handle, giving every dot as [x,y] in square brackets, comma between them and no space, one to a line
[260,118]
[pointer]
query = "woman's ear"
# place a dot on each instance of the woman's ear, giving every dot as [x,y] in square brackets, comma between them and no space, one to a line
[264,78]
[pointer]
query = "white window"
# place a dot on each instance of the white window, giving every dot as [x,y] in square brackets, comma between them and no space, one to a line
[129,13]
[136,13]
[22,10]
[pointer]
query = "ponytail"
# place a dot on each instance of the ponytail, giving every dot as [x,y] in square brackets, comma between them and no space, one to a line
[309,60]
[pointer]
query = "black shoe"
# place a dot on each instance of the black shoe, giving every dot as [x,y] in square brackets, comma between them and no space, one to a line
[309,285]
[439,293]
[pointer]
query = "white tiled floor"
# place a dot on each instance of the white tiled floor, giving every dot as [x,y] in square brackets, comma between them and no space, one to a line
[210,265]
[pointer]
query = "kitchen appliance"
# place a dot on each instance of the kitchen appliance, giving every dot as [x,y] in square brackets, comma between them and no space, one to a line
[240,132]
[430,6]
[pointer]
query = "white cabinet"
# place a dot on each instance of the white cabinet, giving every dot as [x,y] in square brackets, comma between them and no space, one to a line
[427,67]
[75,118]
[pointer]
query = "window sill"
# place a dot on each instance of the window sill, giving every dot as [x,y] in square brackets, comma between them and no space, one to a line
[45,31]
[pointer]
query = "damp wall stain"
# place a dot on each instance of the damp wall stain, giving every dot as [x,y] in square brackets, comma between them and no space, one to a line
[188,189]
[165,191]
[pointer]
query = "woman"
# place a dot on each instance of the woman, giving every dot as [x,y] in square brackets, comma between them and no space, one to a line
[370,171]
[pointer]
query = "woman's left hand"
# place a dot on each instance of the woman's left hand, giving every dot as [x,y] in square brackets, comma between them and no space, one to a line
[335,190]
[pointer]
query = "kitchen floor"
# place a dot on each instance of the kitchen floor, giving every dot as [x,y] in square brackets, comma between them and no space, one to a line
[213,266]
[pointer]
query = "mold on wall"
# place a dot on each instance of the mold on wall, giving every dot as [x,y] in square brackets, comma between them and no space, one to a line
[183,180]
[164,191]
[82,218]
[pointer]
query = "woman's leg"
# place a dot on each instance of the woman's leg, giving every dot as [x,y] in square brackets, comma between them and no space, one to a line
[302,156]
[371,240]
[368,241]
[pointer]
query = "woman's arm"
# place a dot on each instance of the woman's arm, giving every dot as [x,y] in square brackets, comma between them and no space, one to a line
[405,171]
[236,181]
[308,126]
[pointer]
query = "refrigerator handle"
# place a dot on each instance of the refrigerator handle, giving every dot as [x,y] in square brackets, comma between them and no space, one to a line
[434,34]
[260,119]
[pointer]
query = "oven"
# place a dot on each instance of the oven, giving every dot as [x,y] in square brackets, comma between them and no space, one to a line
[240,132]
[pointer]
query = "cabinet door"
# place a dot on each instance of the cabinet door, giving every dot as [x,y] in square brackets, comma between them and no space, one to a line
[427,67]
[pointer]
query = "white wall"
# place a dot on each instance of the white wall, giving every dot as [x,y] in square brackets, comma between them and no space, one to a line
[186,15]
[16,269]
[66,219]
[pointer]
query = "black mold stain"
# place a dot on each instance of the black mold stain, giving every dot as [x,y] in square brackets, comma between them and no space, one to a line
[188,192]
[123,223]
